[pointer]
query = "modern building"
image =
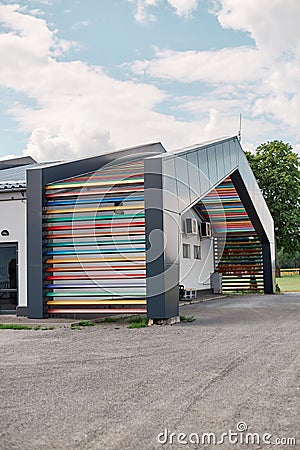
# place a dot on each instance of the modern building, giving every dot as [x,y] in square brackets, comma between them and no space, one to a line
[119,232]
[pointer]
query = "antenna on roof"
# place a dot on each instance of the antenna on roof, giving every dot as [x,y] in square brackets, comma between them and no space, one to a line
[240,129]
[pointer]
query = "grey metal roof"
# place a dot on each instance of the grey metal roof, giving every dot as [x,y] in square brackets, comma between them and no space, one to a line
[15,177]
[201,144]
[16,162]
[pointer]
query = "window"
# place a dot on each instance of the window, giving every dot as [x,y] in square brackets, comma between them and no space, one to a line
[186,251]
[197,252]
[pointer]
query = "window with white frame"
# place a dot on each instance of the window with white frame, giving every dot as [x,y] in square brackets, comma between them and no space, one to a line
[186,250]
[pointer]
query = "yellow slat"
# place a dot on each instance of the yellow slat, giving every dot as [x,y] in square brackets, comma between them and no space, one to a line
[97,302]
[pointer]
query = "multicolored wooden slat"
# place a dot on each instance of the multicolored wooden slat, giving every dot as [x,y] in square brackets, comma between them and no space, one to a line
[95,242]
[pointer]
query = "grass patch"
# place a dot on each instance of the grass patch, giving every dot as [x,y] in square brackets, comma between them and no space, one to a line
[86,323]
[75,327]
[138,322]
[138,325]
[137,319]
[14,326]
[18,326]
[110,319]
[289,283]
[187,318]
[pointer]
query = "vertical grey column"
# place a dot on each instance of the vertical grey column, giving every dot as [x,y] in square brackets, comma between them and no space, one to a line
[35,193]
[162,283]
[267,268]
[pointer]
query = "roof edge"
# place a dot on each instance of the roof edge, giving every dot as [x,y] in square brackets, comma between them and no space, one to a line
[16,162]
[60,171]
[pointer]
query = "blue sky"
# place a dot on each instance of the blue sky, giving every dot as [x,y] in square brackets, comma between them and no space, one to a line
[81,77]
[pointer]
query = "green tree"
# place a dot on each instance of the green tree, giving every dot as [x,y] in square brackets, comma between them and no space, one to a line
[276,168]
[286,262]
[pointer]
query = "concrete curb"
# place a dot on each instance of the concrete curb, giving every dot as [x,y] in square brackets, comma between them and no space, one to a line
[201,300]
[58,323]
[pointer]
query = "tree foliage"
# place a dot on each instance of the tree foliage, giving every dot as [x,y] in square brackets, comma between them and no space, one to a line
[276,168]
[286,262]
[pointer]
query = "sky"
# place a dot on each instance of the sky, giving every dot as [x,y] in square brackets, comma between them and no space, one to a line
[84,77]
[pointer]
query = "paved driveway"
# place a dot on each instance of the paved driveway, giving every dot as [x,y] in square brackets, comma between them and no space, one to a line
[108,388]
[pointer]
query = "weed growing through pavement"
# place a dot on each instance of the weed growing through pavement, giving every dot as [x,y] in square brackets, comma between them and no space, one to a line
[86,323]
[138,322]
[14,326]
[187,318]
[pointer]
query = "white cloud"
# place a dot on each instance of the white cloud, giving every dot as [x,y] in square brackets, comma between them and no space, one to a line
[78,25]
[273,24]
[36,12]
[182,8]
[262,80]
[297,148]
[79,109]
[141,13]
[43,2]
[227,65]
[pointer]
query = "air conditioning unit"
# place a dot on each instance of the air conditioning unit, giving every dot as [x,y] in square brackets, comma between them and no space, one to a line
[191,226]
[205,230]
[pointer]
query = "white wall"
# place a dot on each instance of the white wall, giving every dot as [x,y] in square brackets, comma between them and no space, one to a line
[13,219]
[195,273]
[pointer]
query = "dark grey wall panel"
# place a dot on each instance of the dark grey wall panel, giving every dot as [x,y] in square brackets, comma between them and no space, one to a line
[172,290]
[35,194]
[172,227]
[161,244]
[267,269]
[16,162]
[154,229]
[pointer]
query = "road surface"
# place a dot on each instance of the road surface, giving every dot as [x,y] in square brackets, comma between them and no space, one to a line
[110,387]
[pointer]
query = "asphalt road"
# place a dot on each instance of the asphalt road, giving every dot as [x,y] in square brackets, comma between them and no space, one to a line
[107,388]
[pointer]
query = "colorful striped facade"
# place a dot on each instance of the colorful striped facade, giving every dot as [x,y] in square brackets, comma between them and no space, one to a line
[238,250]
[94,246]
